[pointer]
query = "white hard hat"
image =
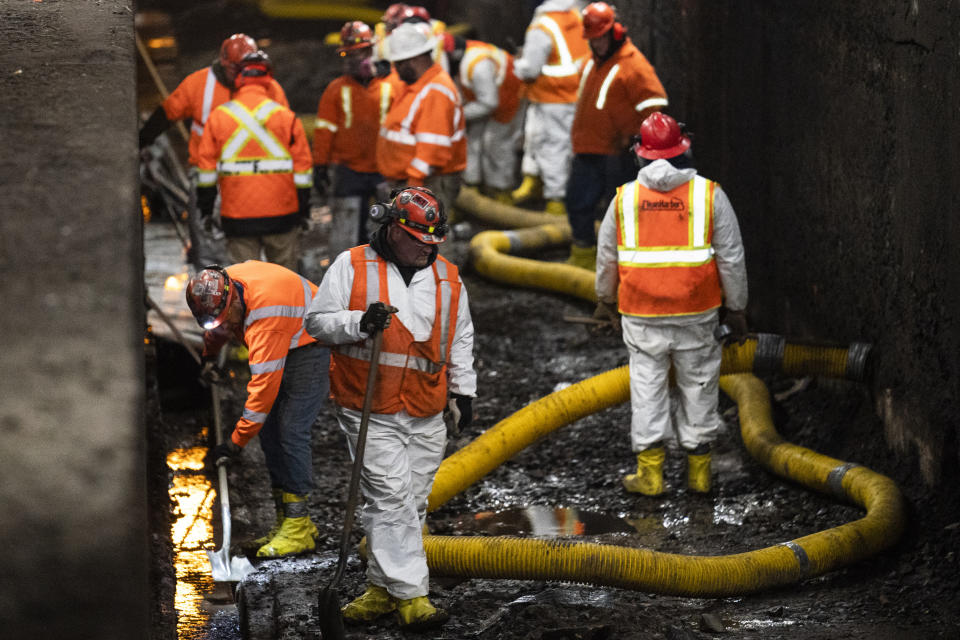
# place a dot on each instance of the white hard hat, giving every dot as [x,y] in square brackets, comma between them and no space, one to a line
[408,40]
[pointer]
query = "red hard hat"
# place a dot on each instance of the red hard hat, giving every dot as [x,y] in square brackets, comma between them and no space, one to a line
[234,48]
[392,16]
[355,35]
[598,18]
[415,12]
[421,214]
[661,137]
[209,296]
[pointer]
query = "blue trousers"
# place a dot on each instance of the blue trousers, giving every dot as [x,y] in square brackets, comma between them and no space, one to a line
[286,434]
[593,182]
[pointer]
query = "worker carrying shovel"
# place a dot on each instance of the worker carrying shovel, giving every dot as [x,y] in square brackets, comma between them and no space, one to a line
[425,370]
[262,305]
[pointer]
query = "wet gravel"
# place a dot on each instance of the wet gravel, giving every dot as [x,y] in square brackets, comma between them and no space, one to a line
[525,351]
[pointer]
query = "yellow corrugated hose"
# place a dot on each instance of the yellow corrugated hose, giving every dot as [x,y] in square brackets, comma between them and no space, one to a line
[643,569]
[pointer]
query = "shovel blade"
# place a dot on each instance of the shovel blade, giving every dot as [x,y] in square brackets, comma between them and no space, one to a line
[331,622]
[223,568]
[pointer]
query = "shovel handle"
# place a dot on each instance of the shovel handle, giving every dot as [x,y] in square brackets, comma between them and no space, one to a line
[354,492]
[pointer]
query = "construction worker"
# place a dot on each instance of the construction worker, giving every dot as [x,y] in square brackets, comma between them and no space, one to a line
[553,54]
[262,306]
[399,13]
[425,370]
[669,255]
[618,90]
[349,115]
[255,149]
[194,99]
[422,141]
[491,94]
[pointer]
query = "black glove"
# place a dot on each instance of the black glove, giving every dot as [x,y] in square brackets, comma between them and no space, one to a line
[376,317]
[303,207]
[461,410]
[210,373]
[206,199]
[224,453]
[737,321]
[321,180]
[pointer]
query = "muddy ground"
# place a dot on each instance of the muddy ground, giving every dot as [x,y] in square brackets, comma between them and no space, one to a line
[525,351]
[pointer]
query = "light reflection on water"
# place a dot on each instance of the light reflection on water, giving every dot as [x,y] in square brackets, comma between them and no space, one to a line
[191,496]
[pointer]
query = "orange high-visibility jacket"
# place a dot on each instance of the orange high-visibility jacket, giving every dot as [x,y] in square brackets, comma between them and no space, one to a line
[511,87]
[348,119]
[258,152]
[276,300]
[615,97]
[424,132]
[413,375]
[196,98]
[664,251]
[560,76]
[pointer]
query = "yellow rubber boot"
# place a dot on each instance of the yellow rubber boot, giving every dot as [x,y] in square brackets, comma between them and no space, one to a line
[583,257]
[698,472]
[417,614]
[278,503]
[374,602]
[648,479]
[530,189]
[556,207]
[297,533]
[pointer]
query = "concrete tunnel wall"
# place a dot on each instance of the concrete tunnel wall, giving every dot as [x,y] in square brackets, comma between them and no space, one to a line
[833,127]
[72,496]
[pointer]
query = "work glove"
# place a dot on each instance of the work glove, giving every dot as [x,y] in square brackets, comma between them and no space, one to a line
[376,317]
[459,413]
[224,453]
[737,321]
[211,374]
[606,311]
[321,180]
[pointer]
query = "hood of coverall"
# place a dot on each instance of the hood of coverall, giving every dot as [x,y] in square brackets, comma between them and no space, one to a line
[660,175]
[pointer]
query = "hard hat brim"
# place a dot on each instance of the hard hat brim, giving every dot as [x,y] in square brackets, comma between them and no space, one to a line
[429,46]
[669,152]
[422,236]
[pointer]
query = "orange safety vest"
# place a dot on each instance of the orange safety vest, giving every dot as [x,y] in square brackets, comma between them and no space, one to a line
[614,100]
[348,118]
[258,152]
[511,87]
[276,301]
[560,76]
[664,250]
[424,132]
[412,375]
[195,99]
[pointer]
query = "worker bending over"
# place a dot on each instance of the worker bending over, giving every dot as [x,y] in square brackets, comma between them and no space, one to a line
[669,255]
[262,306]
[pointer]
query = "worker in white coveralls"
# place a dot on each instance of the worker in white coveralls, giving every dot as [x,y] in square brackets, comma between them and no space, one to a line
[425,369]
[554,52]
[669,255]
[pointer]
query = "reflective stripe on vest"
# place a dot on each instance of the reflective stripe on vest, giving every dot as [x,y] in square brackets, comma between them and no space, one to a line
[477,53]
[346,101]
[566,66]
[649,103]
[385,94]
[251,125]
[602,97]
[283,311]
[208,88]
[326,124]
[403,136]
[665,257]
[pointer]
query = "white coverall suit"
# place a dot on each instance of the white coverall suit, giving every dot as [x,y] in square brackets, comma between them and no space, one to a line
[491,145]
[402,452]
[687,341]
[547,149]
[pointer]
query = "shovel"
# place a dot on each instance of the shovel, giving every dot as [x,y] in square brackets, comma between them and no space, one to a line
[224,568]
[331,622]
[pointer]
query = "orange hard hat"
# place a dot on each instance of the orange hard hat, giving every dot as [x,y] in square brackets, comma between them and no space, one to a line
[209,295]
[598,18]
[661,137]
[234,48]
[355,35]
[417,211]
